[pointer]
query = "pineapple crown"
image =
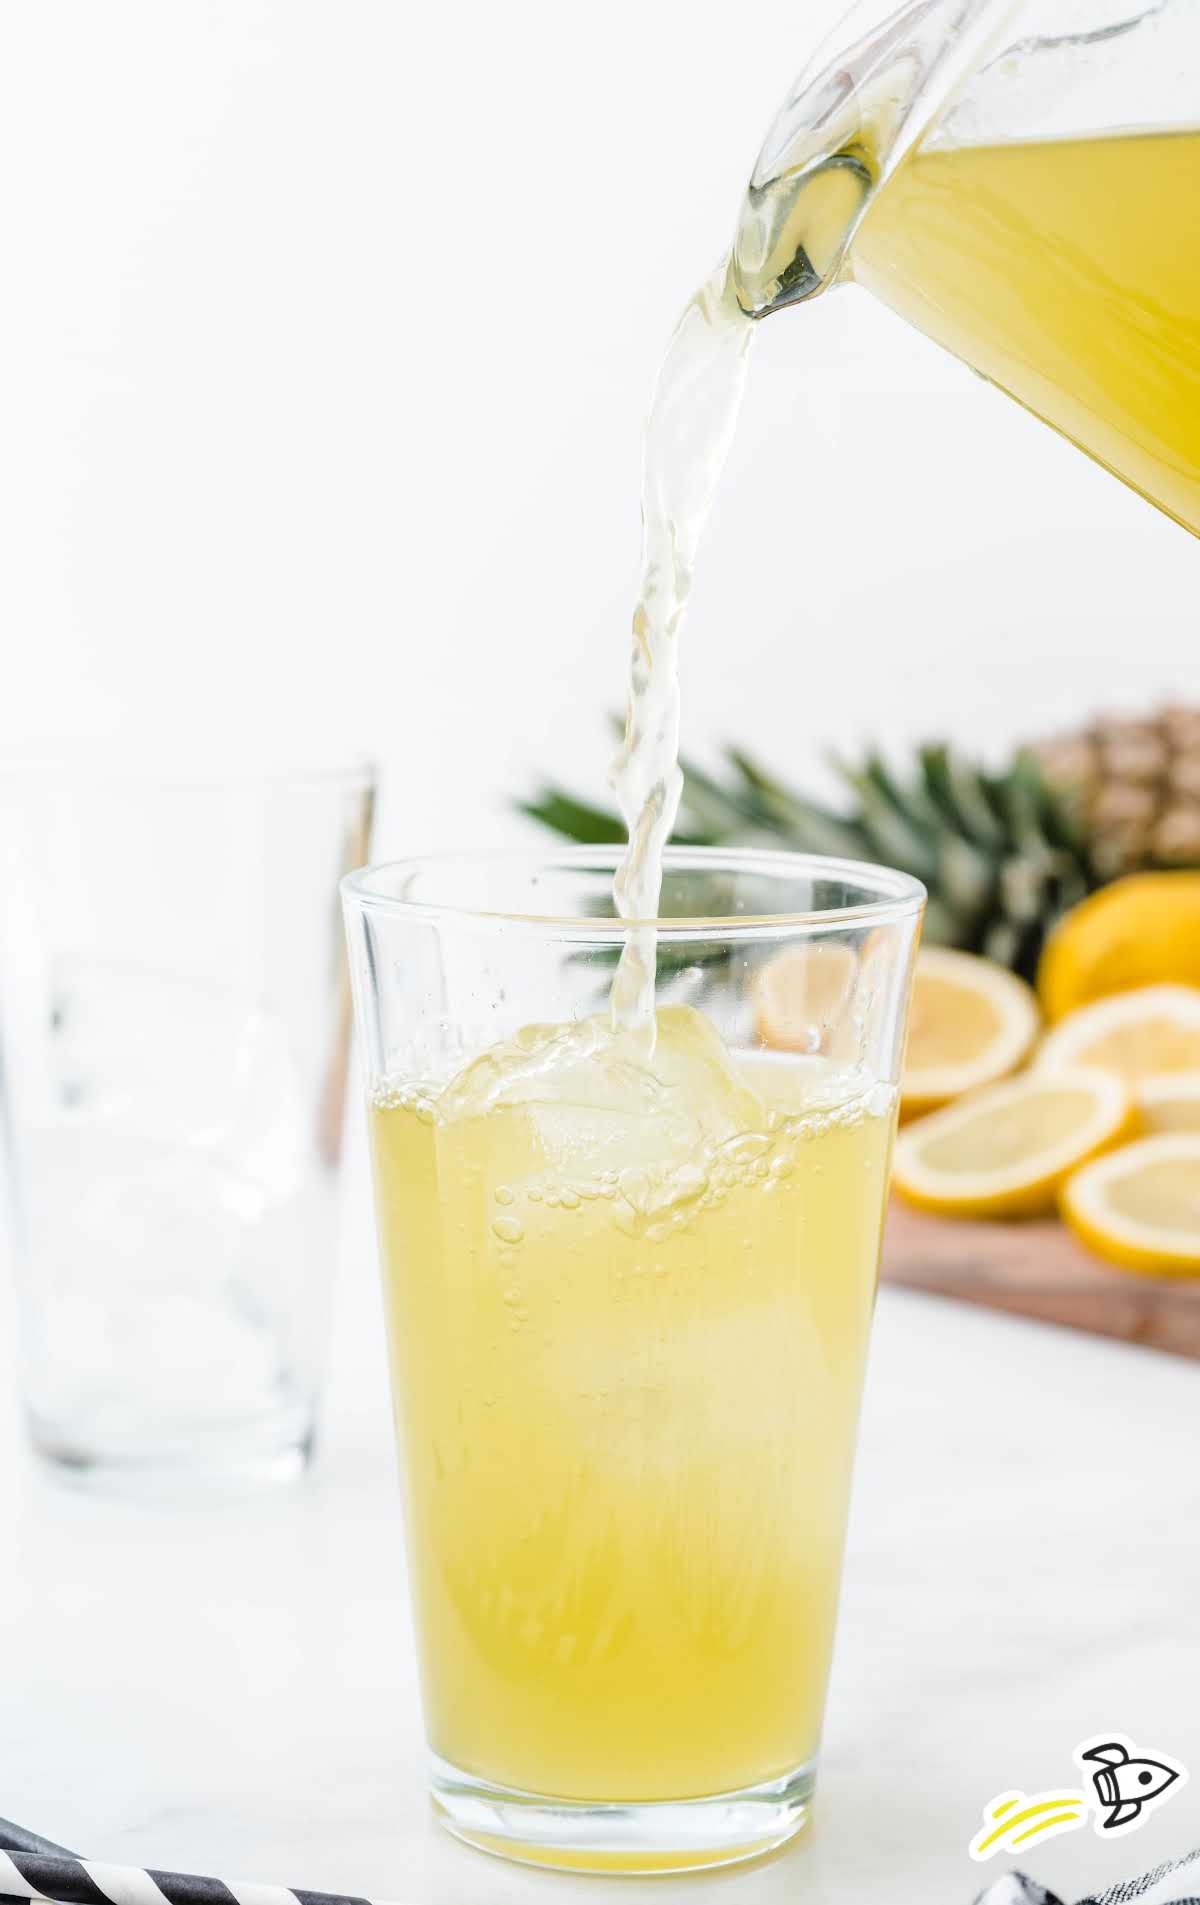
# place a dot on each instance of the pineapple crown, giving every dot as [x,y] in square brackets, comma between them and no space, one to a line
[1002,853]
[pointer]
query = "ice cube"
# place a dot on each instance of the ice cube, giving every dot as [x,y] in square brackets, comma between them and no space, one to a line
[698,1076]
[166,1287]
[164,1054]
[540,1063]
[596,1108]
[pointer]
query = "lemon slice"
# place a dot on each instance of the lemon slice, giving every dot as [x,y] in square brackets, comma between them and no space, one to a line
[1142,1034]
[1140,1207]
[971,1022]
[1004,1151]
[1170,1103]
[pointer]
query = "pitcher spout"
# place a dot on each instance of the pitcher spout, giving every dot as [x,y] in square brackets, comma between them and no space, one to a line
[861,103]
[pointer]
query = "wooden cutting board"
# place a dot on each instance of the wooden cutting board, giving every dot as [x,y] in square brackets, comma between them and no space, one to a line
[1038,1269]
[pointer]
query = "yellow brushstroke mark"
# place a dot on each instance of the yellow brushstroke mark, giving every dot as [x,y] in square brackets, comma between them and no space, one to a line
[1048,1825]
[1043,1814]
[1029,1812]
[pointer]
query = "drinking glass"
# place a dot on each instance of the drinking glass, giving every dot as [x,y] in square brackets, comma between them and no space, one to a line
[174,1020]
[628,1297]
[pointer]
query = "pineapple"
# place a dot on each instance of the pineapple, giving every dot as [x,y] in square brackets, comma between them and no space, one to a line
[1004,854]
[1134,786]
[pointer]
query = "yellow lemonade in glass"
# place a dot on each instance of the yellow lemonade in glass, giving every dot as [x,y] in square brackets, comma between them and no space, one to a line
[628,1303]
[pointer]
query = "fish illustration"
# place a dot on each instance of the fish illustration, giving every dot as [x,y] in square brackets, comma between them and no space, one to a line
[1125,1784]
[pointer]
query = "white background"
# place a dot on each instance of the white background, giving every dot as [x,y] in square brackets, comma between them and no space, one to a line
[327,332]
[327,335]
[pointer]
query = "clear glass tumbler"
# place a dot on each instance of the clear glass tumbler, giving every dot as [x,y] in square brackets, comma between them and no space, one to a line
[628,1295]
[174,1020]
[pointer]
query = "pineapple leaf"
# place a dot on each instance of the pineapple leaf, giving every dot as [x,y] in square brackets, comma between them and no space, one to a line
[889,830]
[802,822]
[717,812]
[939,926]
[576,819]
[911,801]
[955,789]
[1059,819]
[1022,796]
[966,878]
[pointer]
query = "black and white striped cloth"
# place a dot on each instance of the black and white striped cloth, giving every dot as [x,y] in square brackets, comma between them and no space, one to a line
[35,1868]
[1175,1882]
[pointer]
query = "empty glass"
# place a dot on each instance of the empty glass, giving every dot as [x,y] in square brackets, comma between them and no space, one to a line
[174,1020]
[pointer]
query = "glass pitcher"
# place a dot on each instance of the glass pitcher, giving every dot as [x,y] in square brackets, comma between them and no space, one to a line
[1022,183]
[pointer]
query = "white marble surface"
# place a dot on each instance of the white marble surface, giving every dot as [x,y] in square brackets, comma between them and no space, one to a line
[233,1689]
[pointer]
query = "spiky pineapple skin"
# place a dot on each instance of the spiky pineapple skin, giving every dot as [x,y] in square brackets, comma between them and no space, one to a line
[1133,784]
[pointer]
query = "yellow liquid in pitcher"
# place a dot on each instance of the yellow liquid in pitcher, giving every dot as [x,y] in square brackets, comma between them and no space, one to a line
[627,1324]
[1067,272]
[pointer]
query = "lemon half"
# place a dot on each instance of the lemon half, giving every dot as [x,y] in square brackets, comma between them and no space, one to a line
[971,1022]
[1170,1103]
[1140,1207]
[1006,1150]
[1144,1034]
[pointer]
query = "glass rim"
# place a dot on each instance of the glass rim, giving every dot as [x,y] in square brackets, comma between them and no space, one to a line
[94,767]
[898,895]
